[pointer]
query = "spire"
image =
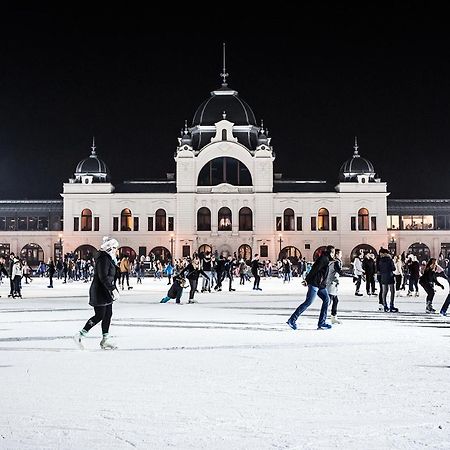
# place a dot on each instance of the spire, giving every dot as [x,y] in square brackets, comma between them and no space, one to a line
[262,124]
[224,115]
[355,153]
[186,129]
[224,73]
[93,153]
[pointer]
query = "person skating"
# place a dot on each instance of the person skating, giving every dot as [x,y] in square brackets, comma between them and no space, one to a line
[358,273]
[316,281]
[3,270]
[386,270]
[51,269]
[16,275]
[192,272]
[255,265]
[414,275]
[176,290]
[369,268]
[125,272]
[334,272]
[427,281]
[102,293]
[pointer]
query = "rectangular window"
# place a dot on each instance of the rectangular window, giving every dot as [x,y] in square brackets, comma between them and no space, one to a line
[406,222]
[5,250]
[170,224]
[264,251]
[2,223]
[307,246]
[353,223]
[96,223]
[135,223]
[22,223]
[115,224]
[76,223]
[278,223]
[373,223]
[150,224]
[333,223]
[299,223]
[393,223]
[10,224]
[142,251]
[32,223]
[43,224]
[186,251]
[313,224]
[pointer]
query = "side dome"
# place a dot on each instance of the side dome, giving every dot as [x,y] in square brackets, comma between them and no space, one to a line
[92,166]
[355,166]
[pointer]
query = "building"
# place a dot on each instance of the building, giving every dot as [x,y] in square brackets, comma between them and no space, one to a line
[225,196]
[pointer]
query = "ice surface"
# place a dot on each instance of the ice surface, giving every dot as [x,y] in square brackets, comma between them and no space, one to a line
[226,373]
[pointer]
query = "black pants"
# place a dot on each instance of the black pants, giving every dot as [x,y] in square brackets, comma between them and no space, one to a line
[50,279]
[193,284]
[257,280]
[370,284]
[398,282]
[17,285]
[358,282]
[103,314]
[124,275]
[446,304]
[384,291]
[430,292]
[334,299]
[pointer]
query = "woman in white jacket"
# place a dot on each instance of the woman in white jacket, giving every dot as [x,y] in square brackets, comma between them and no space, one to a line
[398,274]
[16,275]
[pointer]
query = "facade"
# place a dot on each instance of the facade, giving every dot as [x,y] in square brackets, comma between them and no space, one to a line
[225,196]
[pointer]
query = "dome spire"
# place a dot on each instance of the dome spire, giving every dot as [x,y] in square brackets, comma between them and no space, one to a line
[224,73]
[355,153]
[93,153]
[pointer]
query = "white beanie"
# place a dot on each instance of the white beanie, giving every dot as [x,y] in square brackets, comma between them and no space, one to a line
[109,243]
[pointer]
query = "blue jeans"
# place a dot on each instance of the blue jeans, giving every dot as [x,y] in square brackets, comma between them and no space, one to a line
[322,293]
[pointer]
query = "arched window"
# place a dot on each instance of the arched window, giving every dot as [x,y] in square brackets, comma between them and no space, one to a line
[127,251]
[203,219]
[245,219]
[318,252]
[86,251]
[224,217]
[160,217]
[224,135]
[161,254]
[245,252]
[361,250]
[126,220]
[420,250]
[33,254]
[289,219]
[363,219]
[86,220]
[224,170]
[204,248]
[292,253]
[323,220]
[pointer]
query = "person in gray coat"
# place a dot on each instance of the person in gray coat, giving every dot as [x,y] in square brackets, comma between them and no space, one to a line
[102,293]
[334,272]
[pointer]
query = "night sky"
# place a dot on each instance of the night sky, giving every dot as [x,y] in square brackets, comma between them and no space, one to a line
[65,79]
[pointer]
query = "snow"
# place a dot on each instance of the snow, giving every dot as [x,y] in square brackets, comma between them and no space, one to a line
[226,373]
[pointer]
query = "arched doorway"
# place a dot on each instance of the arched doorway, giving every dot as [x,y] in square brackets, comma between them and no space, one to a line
[224,219]
[86,251]
[361,250]
[204,248]
[420,251]
[318,251]
[292,253]
[127,251]
[161,253]
[32,254]
[245,252]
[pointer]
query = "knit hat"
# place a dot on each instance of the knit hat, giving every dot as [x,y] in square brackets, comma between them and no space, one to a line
[109,243]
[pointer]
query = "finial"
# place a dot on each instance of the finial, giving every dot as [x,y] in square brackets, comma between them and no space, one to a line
[224,74]
[224,115]
[355,153]
[93,146]
[262,124]
[186,129]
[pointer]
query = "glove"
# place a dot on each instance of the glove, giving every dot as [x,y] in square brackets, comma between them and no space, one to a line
[115,294]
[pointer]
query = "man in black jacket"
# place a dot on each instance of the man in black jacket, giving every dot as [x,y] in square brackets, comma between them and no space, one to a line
[316,280]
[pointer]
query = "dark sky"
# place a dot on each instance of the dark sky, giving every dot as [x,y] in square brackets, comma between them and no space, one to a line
[64,79]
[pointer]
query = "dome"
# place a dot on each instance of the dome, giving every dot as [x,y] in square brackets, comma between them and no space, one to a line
[355,166]
[92,166]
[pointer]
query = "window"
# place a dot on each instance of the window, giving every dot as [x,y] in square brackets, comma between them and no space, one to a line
[393,223]
[313,224]
[204,219]
[353,223]
[278,223]
[363,219]
[373,223]
[299,223]
[224,170]
[136,224]
[224,135]
[76,223]
[333,223]
[263,251]
[150,224]
[289,218]
[224,217]
[245,219]
[86,220]
[2,223]
[5,250]
[22,223]
[43,224]
[170,223]
[32,223]
[115,224]
[160,220]
[323,220]
[142,251]
[307,246]
[10,224]
[96,223]
[186,251]
[126,220]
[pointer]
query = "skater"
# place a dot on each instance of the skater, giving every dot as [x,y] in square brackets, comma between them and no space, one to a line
[316,281]
[16,275]
[176,290]
[334,272]
[427,280]
[369,268]
[3,270]
[103,293]
[207,269]
[125,272]
[192,272]
[169,271]
[51,269]
[255,272]
[414,275]
[398,274]
[386,270]
[358,273]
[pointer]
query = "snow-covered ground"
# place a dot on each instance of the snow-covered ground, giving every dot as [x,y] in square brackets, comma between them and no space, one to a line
[226,373]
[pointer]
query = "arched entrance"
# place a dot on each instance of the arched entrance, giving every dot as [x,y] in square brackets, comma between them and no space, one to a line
[318,251]
[361,250]
[245,252]
[32,254]
[127,251]
[204,248]
[420,250]
[161,253]
[292,253]
[85,251]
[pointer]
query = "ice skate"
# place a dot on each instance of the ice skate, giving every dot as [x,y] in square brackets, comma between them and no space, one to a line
[335,320]
[78,339]
[292,324]
[324,326]
[106,344]
[417,294]
[443,313]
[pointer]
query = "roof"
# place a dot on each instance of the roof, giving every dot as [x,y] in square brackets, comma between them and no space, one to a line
[31,206]
[418,206]
[302,186]
[147,186]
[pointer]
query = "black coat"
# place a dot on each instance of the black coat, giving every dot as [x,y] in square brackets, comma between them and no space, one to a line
[317,276]
[106,273]
[369,266]
[175,289]
[386,268]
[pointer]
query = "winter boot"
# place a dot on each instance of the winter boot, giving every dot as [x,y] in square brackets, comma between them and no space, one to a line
[106,344]
[334,320]
[393,309]
[78,338]
[429,309]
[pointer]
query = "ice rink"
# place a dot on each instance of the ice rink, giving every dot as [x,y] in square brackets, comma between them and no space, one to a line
[226,373]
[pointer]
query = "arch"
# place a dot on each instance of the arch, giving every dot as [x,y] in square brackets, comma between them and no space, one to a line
[85,251]
[323,222]
[204,248]
[204,219]
[292,253]
[127,251]
[224,170]
[363,219]
[245,252]
[126,220]
[420,250]
[86,220]
[318,251]
[160,220]
[361,250]
[245,219]
[224,219]
[33,254]
[161,253]
[289,219]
